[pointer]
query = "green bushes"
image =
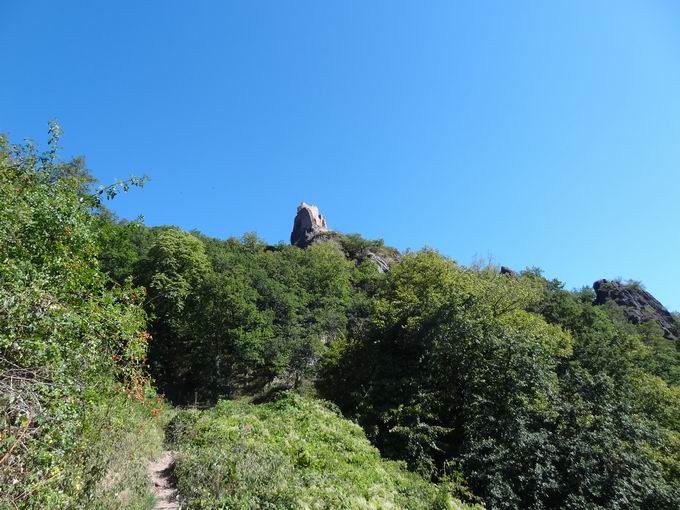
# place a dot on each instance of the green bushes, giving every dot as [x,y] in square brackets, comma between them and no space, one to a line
[291,453]
[118,438]
[452,370]
[462,369]
[71,348]
[532,394]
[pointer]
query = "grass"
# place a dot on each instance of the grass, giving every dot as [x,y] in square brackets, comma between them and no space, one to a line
[127,437]
[294,453]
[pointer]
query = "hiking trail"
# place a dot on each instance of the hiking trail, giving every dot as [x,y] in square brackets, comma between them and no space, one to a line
[160,473]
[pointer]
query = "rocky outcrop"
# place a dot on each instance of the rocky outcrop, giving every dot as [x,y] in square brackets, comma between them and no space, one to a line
[382,264]
[508,271]
[637,304]
[308,224]
[309,227]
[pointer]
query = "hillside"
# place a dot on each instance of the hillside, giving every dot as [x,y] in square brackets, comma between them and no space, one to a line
[334,372]
[291,453]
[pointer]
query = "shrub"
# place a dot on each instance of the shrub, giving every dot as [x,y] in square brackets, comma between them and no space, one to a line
[291,453]
[72,388]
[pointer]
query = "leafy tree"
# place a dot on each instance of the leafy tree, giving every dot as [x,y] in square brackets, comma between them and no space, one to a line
[233,316]
[461,370]
[616,449]
[451,369]
[174,272]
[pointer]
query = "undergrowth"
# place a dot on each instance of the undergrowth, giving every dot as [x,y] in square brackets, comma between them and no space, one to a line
[294,453]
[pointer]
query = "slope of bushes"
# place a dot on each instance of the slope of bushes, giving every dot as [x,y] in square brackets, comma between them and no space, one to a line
[75,421]
[539,397]
[291,453]
[532,394]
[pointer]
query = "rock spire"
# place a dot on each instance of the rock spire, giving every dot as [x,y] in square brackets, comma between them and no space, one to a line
[307,224]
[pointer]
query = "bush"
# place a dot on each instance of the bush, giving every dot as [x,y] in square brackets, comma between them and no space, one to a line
[72,388]
[291,453]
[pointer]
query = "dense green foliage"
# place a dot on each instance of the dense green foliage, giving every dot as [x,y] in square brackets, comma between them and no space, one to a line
[508,387]
[530,393]
[460,367]
[71,348]
[233,317]
[291,453]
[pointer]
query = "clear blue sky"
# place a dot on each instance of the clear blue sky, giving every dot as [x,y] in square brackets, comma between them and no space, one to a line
[539,132]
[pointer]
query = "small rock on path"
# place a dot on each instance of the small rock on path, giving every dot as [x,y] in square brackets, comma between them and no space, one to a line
[160,472]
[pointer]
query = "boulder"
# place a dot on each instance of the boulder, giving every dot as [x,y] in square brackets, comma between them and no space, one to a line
[637,304]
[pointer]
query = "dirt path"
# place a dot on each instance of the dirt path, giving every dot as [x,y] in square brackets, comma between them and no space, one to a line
[160,472]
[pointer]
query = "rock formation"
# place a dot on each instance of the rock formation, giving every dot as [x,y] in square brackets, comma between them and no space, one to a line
[637,304]
[508,271]
[310,227]
[308,223]
[380,262]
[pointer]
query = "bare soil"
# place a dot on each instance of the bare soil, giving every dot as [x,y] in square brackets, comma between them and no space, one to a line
[160,472]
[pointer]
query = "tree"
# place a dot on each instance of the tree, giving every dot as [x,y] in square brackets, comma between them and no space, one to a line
[533,393]
[174,272]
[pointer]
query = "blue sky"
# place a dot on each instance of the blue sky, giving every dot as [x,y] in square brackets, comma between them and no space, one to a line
[539,133]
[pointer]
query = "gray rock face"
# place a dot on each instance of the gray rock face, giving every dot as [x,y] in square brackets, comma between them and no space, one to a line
[382,264]
[309,222]
[638,305]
